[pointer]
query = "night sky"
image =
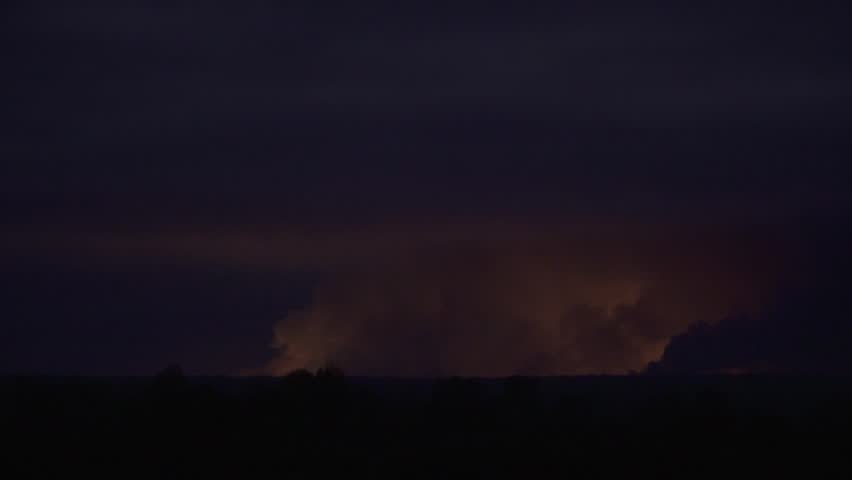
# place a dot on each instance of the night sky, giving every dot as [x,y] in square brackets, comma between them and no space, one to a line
[452,188]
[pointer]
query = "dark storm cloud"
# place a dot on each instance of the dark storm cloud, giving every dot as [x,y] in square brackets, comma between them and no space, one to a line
[477,298]
[805,331]
[544,303]
[592,307]
[806,328]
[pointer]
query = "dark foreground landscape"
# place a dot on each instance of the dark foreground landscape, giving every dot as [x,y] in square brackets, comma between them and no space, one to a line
[327,425]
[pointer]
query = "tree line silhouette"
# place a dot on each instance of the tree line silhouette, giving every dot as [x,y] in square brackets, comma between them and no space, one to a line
[323,424]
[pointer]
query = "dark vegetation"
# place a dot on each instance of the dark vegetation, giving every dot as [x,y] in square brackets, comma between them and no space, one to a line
[323,424]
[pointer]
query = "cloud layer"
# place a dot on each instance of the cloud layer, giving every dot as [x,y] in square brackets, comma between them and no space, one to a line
[544,305]
[807,328]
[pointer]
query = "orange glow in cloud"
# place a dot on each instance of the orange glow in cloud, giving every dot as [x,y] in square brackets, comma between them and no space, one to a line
[469,298]
[542,306]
